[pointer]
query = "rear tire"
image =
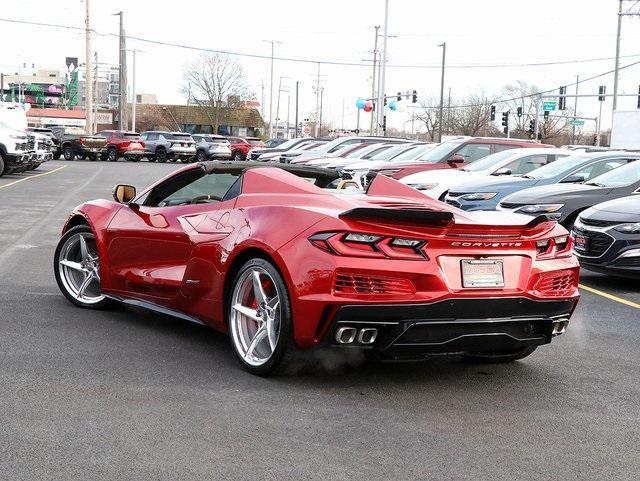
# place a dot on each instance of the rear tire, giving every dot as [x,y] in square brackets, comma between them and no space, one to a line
[275,350]
[112,154]
[201,156]
[67,152]
[498,357]
[237,156]
[1,164]
[161,155]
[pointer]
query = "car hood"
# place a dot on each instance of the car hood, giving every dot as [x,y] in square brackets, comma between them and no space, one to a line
[625,209]
[499,184]
[450,176]
[555,193]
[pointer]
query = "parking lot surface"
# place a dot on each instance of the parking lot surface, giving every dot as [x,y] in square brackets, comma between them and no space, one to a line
[124,394]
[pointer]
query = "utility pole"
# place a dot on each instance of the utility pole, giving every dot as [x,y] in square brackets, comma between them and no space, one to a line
[320,117]
[134,98]
[617,63]
[122,75]
[342,123]
[448,131]
[262,98]
[318,108]
[575,111]
[373,77]
[444,55]
[96,93]
[380,107]
[275,133]
[288,113]
[1,87]
[297,86]
[273,44]
[88,72]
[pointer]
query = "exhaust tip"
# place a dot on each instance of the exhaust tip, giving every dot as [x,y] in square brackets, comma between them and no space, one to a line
[367,335]
[559,326]
[346,335]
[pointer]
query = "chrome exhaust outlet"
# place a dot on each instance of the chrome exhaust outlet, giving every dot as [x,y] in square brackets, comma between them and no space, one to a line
[559,327]
[346,335]
[367,335]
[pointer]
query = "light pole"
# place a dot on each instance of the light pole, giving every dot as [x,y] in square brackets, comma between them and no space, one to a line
[373,77]
[444,56]
[297,87]
[617,65]
[88,72]
[383,66]
[273,43]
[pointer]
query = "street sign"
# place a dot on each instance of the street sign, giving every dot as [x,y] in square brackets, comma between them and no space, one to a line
[577,122]
[549,105]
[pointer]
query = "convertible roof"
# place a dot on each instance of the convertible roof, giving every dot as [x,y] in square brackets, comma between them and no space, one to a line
[235,167]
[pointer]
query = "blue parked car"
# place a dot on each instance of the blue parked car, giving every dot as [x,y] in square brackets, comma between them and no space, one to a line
[486,193]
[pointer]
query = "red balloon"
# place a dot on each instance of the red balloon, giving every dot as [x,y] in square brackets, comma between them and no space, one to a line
[368,106]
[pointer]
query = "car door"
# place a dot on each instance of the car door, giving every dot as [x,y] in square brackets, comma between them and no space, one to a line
[150,242]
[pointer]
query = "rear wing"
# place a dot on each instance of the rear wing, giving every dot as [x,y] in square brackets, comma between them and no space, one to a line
[423,217]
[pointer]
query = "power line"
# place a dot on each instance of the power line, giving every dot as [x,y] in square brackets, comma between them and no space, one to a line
[313,61]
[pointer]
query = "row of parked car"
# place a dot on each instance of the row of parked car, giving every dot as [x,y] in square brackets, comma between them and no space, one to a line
[593,192]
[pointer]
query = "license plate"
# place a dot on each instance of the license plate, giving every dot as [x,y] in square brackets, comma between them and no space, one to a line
[482,273]
[580,243]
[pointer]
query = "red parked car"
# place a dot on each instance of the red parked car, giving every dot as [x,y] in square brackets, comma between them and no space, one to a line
[269,254]
[121,143]
[241,146]
[452,154]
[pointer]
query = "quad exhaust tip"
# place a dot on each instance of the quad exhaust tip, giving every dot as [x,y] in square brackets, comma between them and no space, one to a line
[559,326]
[351,335]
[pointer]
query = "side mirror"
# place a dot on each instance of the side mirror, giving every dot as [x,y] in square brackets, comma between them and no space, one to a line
[457,159]
[123,193]
[503,171]
[573,179]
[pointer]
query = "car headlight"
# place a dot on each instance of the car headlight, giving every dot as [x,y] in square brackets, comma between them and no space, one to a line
[424,186]
[539,208]
[17,136]
[479,196]
[631,228]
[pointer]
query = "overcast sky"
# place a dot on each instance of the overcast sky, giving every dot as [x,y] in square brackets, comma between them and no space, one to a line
[477,33]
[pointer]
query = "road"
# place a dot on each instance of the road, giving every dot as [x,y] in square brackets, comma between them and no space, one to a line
[125,394]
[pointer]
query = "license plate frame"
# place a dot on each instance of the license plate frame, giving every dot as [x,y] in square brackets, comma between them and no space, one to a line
[491,278]
[580,243]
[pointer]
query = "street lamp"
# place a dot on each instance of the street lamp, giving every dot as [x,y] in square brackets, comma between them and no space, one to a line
[444,54]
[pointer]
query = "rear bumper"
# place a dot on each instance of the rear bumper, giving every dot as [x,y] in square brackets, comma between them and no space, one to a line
[451,326]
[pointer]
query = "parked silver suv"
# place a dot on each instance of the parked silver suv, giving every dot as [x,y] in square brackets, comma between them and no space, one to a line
[210,146]
[162,146]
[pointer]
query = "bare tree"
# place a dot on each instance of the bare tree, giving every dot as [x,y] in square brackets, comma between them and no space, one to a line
[216,80]
[473,116]
[428,115]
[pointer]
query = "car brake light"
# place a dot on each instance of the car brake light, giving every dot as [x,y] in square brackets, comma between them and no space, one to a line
[356,244]
[81,140]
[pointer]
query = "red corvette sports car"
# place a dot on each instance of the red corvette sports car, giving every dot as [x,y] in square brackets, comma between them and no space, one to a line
[283,262]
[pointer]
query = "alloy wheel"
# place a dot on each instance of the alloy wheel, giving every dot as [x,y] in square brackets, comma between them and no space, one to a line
[255,316]
[79,268]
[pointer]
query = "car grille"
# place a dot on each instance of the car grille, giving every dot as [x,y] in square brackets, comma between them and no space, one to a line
[44,145]
[598,223]
[597,242]
[628,262]
[556,284]
[369,284]
[31,142]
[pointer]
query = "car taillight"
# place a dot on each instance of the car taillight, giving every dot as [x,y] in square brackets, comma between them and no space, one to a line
[554,247]
[81,141]
[357,244]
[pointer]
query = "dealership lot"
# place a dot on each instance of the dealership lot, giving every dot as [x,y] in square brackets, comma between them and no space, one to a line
[123,394]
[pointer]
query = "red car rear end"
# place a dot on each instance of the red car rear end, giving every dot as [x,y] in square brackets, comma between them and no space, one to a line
[241,146]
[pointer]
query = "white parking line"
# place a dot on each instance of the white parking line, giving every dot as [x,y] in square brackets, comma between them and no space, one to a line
[32,177]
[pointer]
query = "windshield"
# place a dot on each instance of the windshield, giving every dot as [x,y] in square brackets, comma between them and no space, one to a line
[556,168]
[389,153]
[413,153]
[442,151]
[287,143]
[625,175]
[489,161]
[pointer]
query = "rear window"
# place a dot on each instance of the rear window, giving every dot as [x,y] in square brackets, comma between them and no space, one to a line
[132,136]
[254,141]
[181,137]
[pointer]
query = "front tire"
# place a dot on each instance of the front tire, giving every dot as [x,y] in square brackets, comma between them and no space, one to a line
[68,153]
[76,265]
[112,154]
[498,357]
[260,319]
[1,165]
[237,156]
[161,155]
[201,156]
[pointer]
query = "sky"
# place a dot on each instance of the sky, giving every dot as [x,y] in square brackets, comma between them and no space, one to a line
[477,33]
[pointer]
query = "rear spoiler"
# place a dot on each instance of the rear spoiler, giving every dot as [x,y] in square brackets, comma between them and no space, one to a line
[414,216]
[537,220]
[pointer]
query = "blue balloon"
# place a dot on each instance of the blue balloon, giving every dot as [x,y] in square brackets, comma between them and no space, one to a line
[360,103]
[393,105]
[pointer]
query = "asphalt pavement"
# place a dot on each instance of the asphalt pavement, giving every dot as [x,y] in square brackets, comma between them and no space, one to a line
[124,394]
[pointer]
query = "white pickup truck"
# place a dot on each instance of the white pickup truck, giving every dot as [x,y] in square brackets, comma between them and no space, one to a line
[17,147]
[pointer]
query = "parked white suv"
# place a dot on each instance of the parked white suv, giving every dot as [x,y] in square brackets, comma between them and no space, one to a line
[16,150]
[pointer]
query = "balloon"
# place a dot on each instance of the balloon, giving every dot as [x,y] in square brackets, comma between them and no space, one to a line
[360,103]
[368,108]
[401,107]
[393,105]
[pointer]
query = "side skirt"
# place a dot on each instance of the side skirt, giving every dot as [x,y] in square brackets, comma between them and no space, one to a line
[150,306]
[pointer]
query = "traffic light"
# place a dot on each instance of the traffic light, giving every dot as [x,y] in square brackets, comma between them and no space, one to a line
[384,124]
[519,112]
[546,114]
[505,122]
[493,110]
[399,97]
[562,100]
[414,97]
[639,97]
[601,91]
[532,126]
